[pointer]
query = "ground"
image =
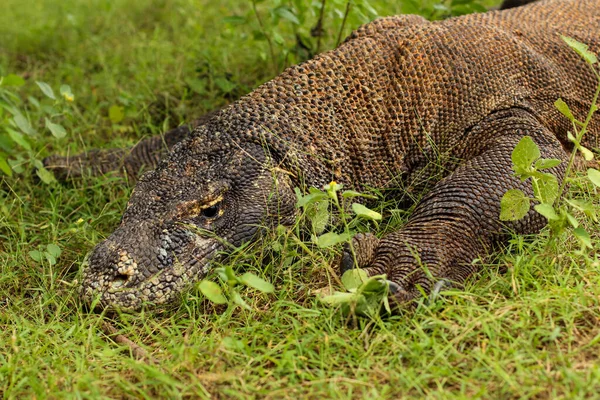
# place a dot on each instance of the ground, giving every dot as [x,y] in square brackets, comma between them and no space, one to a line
[136,68]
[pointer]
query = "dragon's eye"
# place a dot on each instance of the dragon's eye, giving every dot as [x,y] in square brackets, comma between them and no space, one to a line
[211,211]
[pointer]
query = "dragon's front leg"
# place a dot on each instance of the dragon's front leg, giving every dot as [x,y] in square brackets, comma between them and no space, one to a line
[458,220]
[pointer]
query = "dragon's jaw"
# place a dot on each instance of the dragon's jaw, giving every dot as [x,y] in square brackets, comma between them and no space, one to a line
[119,276]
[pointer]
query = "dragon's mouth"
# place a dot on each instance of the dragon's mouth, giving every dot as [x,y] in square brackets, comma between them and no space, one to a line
[128,285]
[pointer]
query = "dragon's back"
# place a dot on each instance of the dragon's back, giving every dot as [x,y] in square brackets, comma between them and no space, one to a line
[400,91]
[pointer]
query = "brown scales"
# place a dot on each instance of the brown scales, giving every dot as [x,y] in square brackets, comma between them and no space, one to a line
[402,103]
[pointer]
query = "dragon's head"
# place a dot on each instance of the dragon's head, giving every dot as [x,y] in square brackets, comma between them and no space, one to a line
[206,197]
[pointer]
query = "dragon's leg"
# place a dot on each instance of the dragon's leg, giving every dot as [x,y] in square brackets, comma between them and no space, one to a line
[458,220]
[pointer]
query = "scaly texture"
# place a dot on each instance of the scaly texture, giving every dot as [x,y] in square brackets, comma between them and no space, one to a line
[404,105]
[144,156]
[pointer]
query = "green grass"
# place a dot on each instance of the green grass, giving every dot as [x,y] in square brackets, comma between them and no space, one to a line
[532,332]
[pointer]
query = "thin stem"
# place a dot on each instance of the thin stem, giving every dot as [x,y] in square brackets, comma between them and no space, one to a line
[340,208]
[339,38]
[262,28]
[319,27]
[579,135]
[314,257]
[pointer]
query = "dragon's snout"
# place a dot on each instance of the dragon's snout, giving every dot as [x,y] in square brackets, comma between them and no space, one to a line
[128,270]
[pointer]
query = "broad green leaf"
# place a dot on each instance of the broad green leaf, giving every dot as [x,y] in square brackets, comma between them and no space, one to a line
[51,259]
[311,198]
[547,211]
[285,13]
[386,305]
[564,109]
[298,193]
[231,278]
[12,80]
[4,167]
[514,205]
[572,220]
[525,153]
[320,218]
[547,189]
[277,247]
[23,124]
[586,153]
[224,84]
[53,249]
[339,298]
[45,176]
[116,114]
[581,49]
[212,291]
[374,285]
[353,278]
[234,344]
[545,163]
[353,193]
[331,239]
[18,138]
[33,101]
[276,37]
[17,165]
[57,130]
[585,207]
[46,89]
[197,85]
[256,282]
[237,299]
[36,255]
[65,91]
[583,236]
[594,176]
[365,212]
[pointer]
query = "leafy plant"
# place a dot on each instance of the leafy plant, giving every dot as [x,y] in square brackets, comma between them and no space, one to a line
[294,30]
[364,295]
[50,253]
[19,129]
[317,205]
[527,164]
[321,208]
[231,283]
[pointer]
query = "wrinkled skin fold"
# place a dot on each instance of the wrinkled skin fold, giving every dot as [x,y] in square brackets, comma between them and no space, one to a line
[404,104]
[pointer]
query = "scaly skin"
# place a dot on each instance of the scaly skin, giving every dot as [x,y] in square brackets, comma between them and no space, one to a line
[402,104]
[144,156]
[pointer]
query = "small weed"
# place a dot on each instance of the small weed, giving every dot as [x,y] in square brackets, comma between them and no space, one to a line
[19,131]
[527,164]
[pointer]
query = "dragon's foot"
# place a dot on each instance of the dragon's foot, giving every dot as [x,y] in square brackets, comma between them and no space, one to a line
[364,246]
[412,271]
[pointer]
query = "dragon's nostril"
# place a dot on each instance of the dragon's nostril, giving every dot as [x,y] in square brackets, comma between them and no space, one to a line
[120,280]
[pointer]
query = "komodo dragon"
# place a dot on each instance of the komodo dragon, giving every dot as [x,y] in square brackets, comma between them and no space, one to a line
[402,104]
